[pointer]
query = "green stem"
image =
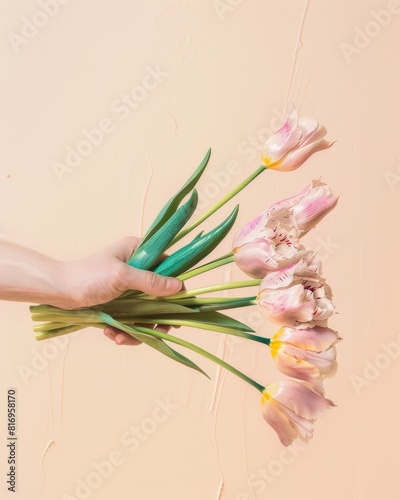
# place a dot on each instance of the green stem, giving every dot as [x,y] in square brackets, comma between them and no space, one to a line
[208,289]
[234,304]
[192,347]
[201,325]
[215,301]
[226,259]
[218,205]
[49,332]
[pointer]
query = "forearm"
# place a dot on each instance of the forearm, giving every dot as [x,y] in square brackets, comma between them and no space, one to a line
[29,276]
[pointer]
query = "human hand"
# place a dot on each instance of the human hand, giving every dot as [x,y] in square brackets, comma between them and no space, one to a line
[29,276]
[105,275]
[122,338]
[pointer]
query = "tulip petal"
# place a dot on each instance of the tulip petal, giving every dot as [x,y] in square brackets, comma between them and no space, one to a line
[262,255]
[304,427]
[279,279]
[255,259]
[316,339]
[251,230]
[318,134]
[309,126]
[323,309]
[313,207]
[279,422]
[300,399]
[287,307]
[296,368]
[293,159]
[288,202]
[284,140]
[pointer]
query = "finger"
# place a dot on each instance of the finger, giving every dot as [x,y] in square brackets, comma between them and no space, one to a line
[151,283]
[120,337]
[110,332]
[123,338]
[163,328]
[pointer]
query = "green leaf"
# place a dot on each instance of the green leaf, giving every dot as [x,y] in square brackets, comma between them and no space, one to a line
[154,342]
[189,255]
[207,317]
[137,307]
[218,318]
[56,332]
[173,203]
[199,320]
[216,303]
[148,253]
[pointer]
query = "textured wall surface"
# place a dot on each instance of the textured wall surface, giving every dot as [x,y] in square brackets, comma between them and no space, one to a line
[105,422]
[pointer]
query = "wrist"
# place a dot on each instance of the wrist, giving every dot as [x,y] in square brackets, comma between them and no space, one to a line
[69,291]
[54,288]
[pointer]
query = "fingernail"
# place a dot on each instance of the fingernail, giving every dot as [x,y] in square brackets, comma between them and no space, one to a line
[173,284]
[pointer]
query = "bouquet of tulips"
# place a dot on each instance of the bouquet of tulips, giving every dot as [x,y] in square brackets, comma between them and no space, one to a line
[292,292]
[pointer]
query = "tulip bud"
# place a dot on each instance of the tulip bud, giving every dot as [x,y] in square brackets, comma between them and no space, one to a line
[294,143]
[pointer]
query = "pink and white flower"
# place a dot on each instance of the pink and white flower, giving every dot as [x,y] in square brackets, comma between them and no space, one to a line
[305,209]
[306,353]
[291,408]
[294,143]
[297,295]
[261,250]
[270,241]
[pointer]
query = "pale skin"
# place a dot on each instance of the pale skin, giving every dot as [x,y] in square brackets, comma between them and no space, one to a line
[30,276]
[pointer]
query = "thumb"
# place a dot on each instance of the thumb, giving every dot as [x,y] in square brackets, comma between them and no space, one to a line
[152,283]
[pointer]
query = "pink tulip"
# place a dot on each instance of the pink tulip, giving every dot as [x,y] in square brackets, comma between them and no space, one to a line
[305,209]
[270,241]
[260,250]
[294,143]
[291,408]
[306,353]
[297,295]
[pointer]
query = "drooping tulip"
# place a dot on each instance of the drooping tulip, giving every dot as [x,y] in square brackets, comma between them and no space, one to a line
[297,295]
[291,408]
[294,143]
[306,353]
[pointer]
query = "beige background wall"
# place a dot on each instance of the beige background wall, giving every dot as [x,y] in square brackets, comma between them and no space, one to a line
[224,74]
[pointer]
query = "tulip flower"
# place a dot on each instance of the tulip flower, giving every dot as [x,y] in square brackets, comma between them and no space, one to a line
[261,247]
[306,353]
[305,209]
[297,294]
[294,143]
[270,241]
[286,150]
[291,408]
